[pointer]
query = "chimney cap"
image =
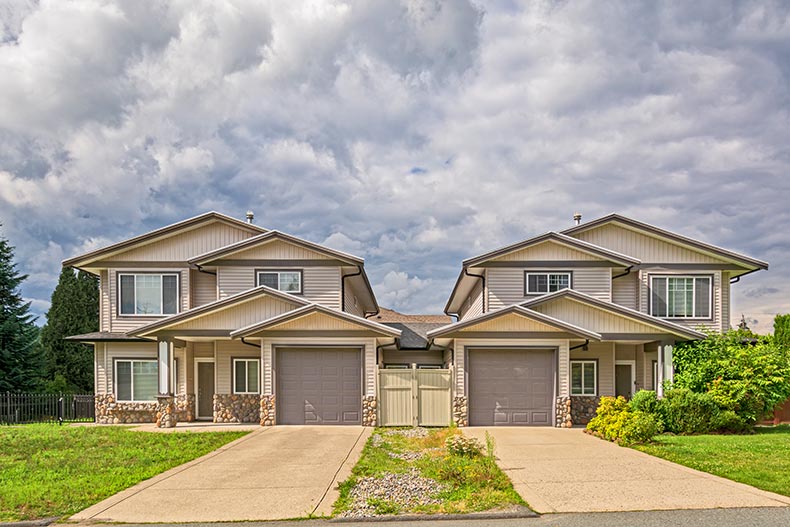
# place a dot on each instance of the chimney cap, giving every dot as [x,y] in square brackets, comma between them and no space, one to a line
[577,217]
[250,216]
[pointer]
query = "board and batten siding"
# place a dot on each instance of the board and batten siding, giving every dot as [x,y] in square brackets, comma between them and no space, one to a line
[625,290]
[473,305]
[122,324]
[227,350]
[105,367]
[547,250]
[204,288]
[277,250]
[320,284]
[603,353]
[593,318]
[239,315]
[716,323]
[505,285]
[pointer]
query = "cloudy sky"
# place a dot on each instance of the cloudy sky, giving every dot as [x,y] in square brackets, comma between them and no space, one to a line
[413,133]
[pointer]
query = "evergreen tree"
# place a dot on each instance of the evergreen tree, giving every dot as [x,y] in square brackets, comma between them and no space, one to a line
[782,331]
[74,310]
[20,361]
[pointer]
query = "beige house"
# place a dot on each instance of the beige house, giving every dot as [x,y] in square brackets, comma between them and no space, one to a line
[219,319]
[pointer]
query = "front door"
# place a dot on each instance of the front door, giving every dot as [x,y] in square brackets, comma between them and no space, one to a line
[205,390]
[624,379]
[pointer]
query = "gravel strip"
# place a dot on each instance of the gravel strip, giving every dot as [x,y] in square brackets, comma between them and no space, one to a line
[409,432]
[406,456]
[404,490]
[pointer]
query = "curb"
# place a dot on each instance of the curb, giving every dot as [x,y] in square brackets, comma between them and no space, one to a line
[30,523]
[521,512]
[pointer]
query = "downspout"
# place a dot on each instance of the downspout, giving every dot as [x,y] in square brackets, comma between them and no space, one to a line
[626,273]
[738,278]
[257,346]
[201,270]
[483,283]
[586,343]
[382,346]
[343,287]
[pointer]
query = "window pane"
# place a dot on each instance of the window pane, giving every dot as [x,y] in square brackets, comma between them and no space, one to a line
[532,283]
[557,282]
[252,376]
[659,294]
[170,294]
[589,378]
[702,305]
[290,282]
[124,381]
[269,280]
[127,294]
[576,378]
[681,291]
[149,294]
[144,377]
[241,376]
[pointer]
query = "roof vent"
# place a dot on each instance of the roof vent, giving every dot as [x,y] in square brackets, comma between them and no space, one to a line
[250,216]
[577,218]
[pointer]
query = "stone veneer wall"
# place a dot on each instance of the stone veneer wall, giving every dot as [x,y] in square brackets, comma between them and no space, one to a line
[166,412]
[111,412]
[460,411]
[185,407]
[369,410]
[237,408]
[268,410]
[563,411]
[583,408]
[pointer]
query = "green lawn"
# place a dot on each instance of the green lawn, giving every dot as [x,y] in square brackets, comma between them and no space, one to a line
[48,470]
[472,483]
[761,459]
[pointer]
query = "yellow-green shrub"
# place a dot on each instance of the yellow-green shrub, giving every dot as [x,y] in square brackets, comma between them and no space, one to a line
[616,421]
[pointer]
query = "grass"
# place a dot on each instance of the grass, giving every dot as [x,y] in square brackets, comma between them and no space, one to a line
[761,459]
[54,471]
[474,483]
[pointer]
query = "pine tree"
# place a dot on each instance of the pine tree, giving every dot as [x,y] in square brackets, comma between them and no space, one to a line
[74,310]
[20,361]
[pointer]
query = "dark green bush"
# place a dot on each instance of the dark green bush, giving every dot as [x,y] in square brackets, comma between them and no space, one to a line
[616,421]
[686,412]
[645,401]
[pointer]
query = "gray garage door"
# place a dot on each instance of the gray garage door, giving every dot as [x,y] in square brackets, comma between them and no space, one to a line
[511,387]
[319,386]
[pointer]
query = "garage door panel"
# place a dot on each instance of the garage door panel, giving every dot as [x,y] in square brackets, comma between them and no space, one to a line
[319,387]
[511,386]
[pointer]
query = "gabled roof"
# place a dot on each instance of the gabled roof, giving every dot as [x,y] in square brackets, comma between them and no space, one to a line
[151,236]
[677,238]
[268,237]
[518,310]
[309,310]
[638,316]
[595,250]
[105,336]
[216,306]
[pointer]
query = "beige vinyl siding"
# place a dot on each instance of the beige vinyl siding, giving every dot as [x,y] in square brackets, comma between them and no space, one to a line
[180,355]
[412,357]
[353,299]
[715,324]
[322,286]
[473,305]
[122,324]
[99,368]
[510,322]
[548,250]
[639,245]
[238,315]
[726,307]
[233,280]
[204,288]
[185,245]
[203,349]
[105,302]
[624,290]
[226,351]
[604,353]
[277,250]
[592,318]
[119,350]
[650,355]
[506,285]
[317,322]
[633,352]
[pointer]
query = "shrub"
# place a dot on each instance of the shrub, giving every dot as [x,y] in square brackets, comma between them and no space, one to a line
[640,427]
[616,421]
[687,412]
[645,401]
[460,445]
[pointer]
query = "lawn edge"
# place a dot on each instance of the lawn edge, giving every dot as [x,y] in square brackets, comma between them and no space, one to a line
[523,512]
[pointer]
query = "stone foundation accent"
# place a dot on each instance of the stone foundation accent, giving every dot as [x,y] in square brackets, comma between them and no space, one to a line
[563,412]
[185,407]
[369,407]
[111,412]
[237,408]
[583,408]
[268,410]
[166,412]
[460,411]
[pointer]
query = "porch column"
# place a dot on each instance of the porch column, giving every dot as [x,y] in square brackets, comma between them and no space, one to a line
[666,370]
[166,405]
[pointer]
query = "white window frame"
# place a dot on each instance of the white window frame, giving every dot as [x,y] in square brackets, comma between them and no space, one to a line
[278,272]
[131,380]
[548,274]
[161,295]
[584,362]
[246,373]
[695,277]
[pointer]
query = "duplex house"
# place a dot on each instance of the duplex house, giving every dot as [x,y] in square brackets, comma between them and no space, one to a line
[216,318]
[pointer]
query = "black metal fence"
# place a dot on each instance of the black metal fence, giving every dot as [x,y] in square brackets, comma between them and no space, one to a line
[20,408]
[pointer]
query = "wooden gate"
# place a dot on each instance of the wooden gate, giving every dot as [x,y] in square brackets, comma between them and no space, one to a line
[415,397]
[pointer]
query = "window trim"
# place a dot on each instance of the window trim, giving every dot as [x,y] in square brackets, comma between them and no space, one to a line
[594,362]
[709,276]
[118,275]
[278,271]
[527,274]
[233,361]
[115,362]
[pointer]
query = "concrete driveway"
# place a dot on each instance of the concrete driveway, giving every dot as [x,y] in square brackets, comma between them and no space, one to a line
[273,473]
[566,470]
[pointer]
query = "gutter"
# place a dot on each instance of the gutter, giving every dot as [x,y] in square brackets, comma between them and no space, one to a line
[256,346]
[626,273]
[483,282]
[343,287]
[583,346]
[201,270]
[738,278]
[382,346]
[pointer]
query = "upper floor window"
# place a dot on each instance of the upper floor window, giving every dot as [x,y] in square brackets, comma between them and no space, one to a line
[680,296]
[148,294]
[540,283]
[287,281]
